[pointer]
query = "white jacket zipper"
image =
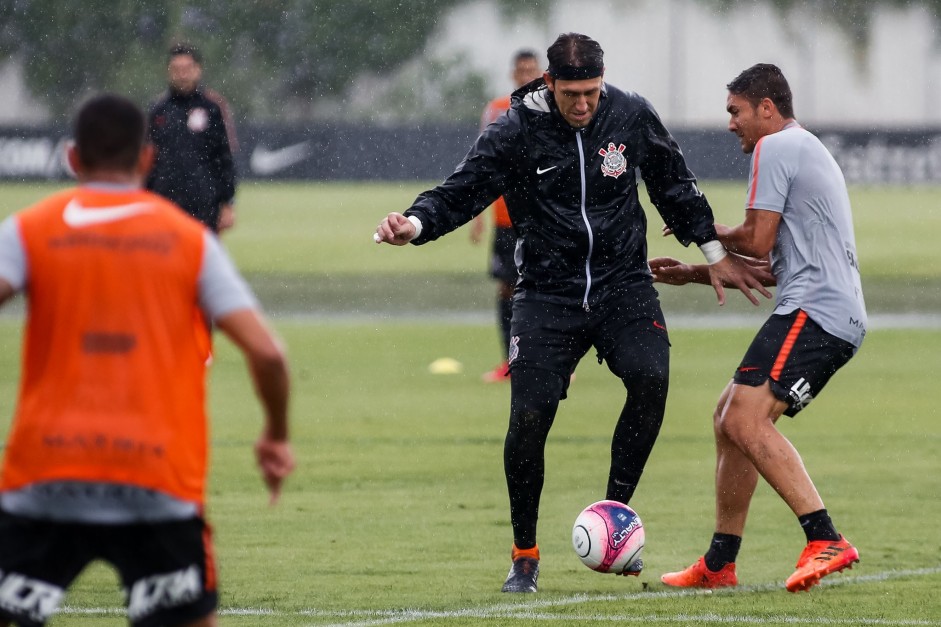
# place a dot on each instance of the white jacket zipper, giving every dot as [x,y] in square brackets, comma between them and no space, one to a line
[591,236]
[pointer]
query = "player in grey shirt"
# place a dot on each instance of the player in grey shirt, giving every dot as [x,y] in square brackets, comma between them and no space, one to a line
[798,219]
[814,253]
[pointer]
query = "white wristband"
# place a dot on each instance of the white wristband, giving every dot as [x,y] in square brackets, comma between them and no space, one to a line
[418,227]
[714,251]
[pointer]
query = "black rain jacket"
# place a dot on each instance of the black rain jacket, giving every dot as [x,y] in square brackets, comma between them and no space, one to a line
[194,166]
[572,194]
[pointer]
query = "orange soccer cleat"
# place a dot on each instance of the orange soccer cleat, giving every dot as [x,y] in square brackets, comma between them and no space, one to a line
[819,559]
[699,576]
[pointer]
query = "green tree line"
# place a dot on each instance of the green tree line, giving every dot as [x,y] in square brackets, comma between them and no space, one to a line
[277,59]
[268,57]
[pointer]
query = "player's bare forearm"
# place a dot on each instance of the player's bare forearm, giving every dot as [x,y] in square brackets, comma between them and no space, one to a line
[272,451]
[737,240]
[268,366]
[272,384]
[755,237]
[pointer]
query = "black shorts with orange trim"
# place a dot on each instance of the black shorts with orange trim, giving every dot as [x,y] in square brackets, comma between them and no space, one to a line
[166,568]
[796,355]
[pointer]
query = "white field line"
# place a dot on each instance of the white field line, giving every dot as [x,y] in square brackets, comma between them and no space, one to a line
[532,610]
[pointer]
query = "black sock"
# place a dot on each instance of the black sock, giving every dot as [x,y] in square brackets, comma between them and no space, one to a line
[818,526]
[723,550]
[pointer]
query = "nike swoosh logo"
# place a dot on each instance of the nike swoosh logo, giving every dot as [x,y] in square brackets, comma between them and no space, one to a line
[265,161]
[747,368]
[544,170]
[77,216]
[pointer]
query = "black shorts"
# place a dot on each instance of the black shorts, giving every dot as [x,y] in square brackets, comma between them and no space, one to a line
[796,355]
[167,569]
[502,261]
[628,331]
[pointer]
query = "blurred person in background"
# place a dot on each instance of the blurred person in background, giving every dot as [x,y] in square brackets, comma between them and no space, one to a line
[797,210]
[107,454]
[564,158]
[192,129]
[502,264]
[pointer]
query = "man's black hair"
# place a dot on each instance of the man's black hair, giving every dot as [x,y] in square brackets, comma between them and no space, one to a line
[764,80]
[525,55]
[187,49]
[574,50]
[109,133]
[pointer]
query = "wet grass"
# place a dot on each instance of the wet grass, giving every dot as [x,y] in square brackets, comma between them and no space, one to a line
[398,512]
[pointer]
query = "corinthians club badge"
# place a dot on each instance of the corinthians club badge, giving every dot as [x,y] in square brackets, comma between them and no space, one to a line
[198,120]
[614,163]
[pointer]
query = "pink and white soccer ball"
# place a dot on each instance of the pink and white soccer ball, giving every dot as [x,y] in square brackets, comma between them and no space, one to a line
[608,536]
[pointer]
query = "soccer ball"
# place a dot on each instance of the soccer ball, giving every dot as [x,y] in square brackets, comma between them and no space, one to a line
[608,536]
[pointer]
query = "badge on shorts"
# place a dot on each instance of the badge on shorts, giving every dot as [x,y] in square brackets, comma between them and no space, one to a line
[614,163]
[198,120]
[514,351]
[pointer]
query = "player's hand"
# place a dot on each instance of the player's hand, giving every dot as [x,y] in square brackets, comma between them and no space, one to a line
[670,271]
[733,271]
[276,461]
[394,229]
[760,269]
[226,218]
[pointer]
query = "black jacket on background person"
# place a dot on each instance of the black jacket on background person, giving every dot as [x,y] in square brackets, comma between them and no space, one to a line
[572,194]
[193,166]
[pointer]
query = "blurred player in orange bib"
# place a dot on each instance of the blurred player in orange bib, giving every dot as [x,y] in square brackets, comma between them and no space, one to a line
[107,454]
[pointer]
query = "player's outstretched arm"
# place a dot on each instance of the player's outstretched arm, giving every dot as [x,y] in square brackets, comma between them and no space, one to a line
[269,370]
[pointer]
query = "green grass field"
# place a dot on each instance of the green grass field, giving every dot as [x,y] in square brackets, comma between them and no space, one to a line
[398,511]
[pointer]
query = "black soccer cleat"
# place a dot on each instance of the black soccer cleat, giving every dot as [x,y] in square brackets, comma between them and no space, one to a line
[522,576]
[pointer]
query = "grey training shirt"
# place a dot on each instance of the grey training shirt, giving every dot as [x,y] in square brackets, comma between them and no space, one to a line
[814,257]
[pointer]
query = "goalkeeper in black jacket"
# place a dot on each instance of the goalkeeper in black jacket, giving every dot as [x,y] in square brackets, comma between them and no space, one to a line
[564,158]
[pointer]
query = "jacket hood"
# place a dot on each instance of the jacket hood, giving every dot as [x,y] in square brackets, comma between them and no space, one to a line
[536,97]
